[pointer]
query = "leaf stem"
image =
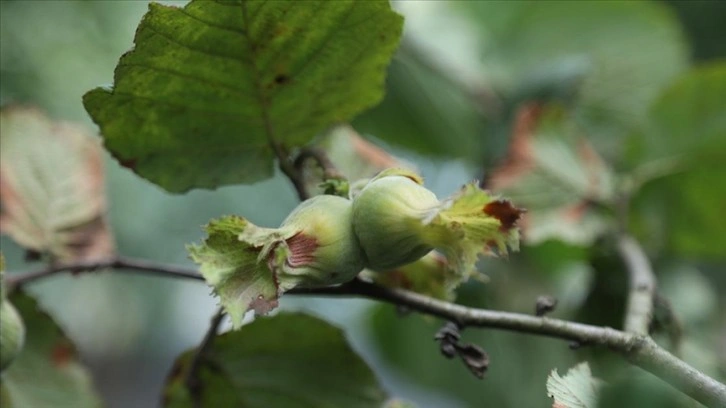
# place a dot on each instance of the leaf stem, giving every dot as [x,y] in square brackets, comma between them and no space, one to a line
[292,173]
[322,159]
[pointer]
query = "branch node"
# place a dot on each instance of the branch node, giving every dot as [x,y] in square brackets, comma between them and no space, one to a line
[639,310]
[545,304]
[473,356]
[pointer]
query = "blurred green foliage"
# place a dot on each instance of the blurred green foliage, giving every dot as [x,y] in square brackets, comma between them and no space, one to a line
[47,371]
[452,94]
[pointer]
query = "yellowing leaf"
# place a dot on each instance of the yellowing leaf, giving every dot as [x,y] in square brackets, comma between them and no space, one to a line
[473,222]
[52,187]
[556,175]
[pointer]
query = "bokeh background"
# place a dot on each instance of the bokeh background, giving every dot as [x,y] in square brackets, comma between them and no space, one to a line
[130,328]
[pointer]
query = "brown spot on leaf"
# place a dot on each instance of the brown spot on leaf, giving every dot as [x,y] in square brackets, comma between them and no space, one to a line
[397,278]
[62,354]
[505,212]
[32,255]
[282,79]
[263,306]
[128,163]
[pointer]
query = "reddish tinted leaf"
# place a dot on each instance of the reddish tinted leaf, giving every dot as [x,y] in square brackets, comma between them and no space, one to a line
[556,175]
[52,187]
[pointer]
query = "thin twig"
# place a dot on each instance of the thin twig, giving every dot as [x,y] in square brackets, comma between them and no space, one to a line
[639,309]
[637,348]
[466,316]
[665,318]
[640,350]
[320,157]
[192,378]
[16,280]
[293,174]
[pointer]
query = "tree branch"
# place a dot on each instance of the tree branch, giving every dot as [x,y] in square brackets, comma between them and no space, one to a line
[637,348]
[292,173]
[322,159]
[639,309]
[121,263]
[473,317]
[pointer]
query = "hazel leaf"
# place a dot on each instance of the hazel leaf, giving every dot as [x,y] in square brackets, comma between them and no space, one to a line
[473,222]
[52,187]
[682,155]
[556,175]
[232,267]
[210,89]
[577,389]
[610,59]
[47,371]
[287,360]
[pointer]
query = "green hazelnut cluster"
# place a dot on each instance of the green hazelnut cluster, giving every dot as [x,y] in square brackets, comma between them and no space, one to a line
[391,222]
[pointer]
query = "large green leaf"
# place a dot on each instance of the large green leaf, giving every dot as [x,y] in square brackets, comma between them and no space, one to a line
[52,186]
[282,361]
[47,372]
[611,58]
[687,122]
[209,88]
[424,112]
[686,142]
